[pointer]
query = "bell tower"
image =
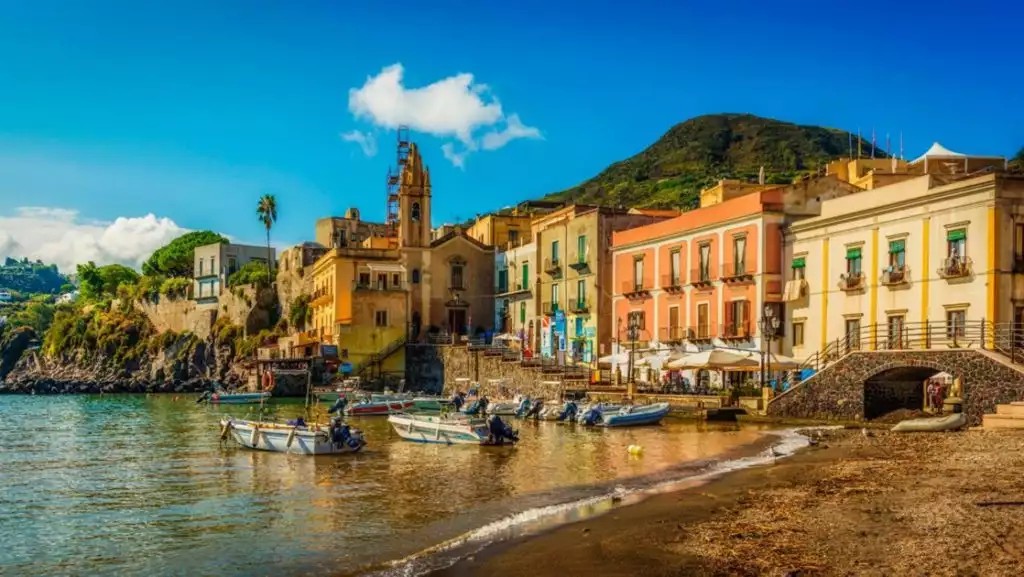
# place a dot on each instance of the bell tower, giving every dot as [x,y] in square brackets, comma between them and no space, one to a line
[412,196]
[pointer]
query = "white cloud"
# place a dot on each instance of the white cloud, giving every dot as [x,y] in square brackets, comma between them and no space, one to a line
[365,140]
[453,107]
[60,236]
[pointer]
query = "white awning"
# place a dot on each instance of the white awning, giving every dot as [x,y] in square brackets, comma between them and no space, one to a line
[385,267]
[938,151]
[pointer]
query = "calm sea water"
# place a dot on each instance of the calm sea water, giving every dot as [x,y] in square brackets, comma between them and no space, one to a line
[130,485]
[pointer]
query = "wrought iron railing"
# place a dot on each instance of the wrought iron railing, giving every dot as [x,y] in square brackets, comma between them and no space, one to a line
[671,282]
[851,281]
[895,275]
[956,267]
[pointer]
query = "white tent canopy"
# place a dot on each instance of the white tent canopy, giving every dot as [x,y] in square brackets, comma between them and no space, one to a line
[715,359]
[938,151]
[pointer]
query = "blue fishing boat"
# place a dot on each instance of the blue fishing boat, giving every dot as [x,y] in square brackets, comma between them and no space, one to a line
[223,398]
[628,416]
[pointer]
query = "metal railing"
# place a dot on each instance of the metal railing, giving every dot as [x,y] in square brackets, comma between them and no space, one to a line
[549,308]
[701,276]
[704,332]
[736,270]
[736,330]
[671,282]
[552,265]
[457,285]
[956,267]
[851,281]
[580,260]
[378,285]
[677,333]
[579,305]
[633,287]
[895,275]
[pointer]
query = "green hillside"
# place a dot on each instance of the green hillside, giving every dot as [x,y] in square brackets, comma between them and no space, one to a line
[27,278]
[694,154]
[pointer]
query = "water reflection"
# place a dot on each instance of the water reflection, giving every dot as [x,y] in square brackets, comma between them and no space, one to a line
[133,485]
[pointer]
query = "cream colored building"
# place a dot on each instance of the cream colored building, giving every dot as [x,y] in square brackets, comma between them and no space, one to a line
[921,257]
[514,303]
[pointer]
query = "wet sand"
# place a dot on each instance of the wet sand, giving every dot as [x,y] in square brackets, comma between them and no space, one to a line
[882,504]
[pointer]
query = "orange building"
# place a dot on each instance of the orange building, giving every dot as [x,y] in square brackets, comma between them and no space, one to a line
[704,277]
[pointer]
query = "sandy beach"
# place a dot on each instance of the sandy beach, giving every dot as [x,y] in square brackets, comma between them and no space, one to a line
[854,504]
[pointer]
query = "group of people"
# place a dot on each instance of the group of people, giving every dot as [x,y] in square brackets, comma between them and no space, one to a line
[935,395]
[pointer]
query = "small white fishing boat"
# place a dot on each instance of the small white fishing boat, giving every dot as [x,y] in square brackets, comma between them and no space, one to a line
[452,429]
[301,439]
[371,407]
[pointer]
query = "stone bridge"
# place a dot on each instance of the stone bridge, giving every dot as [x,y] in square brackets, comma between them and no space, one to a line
[864,385]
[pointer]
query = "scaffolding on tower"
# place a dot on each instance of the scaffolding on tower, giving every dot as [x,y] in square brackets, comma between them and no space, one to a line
[395,177]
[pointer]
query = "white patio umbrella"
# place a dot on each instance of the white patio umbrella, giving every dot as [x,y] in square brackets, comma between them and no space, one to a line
[775,362]
[715,359]
[507,337]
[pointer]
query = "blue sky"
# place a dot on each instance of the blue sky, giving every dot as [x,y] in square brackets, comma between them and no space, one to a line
[189,110]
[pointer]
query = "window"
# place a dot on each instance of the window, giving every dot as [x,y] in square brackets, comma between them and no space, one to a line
[364,279]
[415,212]
[526,276]
[673,264]
[581,294]
[673,323]
[956,324]
[380,318]
[739,254]
[1018,247]
[581,249]
[897,255]
[703,331]
[705,262]
[554,297]
[503,280]
[457,276]
[382,281]
[554,251]
[636,318]
[956,244]
[896,331]
[798,334]
[233,265]
[200,266]
[522,312]
[853,262]
[415,276]
[799,265]
[213,265]
[579,326]
[513,236]
[200,288]
[853,333]
[736,318]
[638,273]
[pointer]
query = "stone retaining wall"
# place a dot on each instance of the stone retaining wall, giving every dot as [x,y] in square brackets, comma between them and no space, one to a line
[462,362]
[837,392]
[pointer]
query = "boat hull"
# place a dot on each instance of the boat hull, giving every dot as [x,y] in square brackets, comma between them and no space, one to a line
[651,415]
[239,398]
[274,438]
[439,430]
[929,425]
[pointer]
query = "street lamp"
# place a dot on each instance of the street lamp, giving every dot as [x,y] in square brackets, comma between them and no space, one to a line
[769,324]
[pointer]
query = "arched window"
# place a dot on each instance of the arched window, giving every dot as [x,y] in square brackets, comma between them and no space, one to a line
[415,212]
[415,276]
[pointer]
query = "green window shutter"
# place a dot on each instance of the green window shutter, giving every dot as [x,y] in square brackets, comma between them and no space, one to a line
[897,246]
[526,276]
[799,262]
[959,234]
[852,253]
[522,313]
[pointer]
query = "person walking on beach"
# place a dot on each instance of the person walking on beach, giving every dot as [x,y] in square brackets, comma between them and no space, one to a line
[929,393]
[939,397]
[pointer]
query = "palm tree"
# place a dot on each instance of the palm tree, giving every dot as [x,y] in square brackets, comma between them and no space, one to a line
[266,210]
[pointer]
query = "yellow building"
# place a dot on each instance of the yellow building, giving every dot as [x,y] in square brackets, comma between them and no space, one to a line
[575,278]
[503,231]
[922,256]
[359,303]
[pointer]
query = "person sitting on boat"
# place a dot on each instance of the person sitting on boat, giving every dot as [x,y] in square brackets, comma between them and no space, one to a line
[458,400]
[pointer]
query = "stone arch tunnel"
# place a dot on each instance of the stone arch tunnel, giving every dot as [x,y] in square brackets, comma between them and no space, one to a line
[894,389]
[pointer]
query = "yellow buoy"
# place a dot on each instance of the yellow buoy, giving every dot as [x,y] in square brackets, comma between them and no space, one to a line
[635,449]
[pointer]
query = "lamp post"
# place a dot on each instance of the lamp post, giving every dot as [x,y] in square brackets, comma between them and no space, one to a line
[633,333]
[769,325]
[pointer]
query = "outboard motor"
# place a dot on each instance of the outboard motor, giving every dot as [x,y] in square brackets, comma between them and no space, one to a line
[535,410]
[524,407]
[338,405]
[501,431]
[569,412]
[592,416]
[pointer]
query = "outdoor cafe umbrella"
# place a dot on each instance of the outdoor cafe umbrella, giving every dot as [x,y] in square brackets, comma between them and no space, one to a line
[775,362]
[716,359]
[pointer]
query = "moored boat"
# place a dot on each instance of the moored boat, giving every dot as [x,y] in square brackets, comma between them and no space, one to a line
[950,422]
[223,398]
[430,403]
[297,438]
[629,416]
[454,429]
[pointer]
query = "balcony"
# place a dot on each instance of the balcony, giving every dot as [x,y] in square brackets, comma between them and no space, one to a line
[581,261]
[676,334]
[319,296]
[514,289]
[736,330]
[701,277]
[549,308]
[701,332]
[579,306]
[632,289]
[378,285]
[737,272]
[956,267]
[895,275]
[552,266]
[671,283]
[851,281]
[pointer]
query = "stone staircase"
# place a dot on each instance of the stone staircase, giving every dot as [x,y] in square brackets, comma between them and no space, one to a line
[1010,416]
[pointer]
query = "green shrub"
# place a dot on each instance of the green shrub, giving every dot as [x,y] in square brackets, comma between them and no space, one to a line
[176,287]
[252,272]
